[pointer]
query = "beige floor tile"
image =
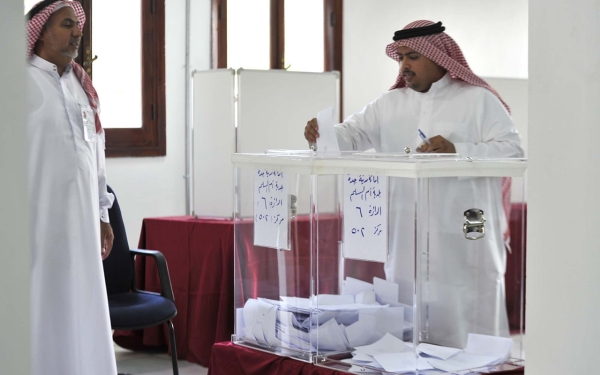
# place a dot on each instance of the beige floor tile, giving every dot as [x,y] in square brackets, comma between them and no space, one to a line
[141,363]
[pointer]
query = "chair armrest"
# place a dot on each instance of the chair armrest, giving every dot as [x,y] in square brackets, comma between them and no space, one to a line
[163,271]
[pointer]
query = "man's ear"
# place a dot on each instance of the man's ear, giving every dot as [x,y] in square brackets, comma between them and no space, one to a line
[43,33]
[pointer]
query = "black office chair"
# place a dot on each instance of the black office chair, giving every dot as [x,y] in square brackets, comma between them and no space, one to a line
[130,308]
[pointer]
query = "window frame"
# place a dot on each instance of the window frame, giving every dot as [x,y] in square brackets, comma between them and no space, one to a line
[333,27]
[277,34]
[150,139]
[334,42]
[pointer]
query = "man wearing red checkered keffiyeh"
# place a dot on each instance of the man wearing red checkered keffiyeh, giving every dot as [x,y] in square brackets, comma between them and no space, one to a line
[69,201]
[437,94]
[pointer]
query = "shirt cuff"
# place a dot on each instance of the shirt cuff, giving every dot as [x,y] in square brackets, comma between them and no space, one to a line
[104,215]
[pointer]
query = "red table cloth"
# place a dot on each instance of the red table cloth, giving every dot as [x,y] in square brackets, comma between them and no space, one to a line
[199,254]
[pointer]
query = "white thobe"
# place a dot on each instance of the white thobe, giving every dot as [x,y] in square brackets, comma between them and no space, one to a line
[70,323]
[463,287]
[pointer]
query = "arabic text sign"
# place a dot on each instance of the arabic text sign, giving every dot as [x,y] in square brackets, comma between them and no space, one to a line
[365,217]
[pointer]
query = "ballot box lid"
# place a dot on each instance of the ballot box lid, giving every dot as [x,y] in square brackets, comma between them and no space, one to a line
[395,165]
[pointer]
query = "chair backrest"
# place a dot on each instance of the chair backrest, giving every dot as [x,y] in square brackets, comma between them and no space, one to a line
[119,269]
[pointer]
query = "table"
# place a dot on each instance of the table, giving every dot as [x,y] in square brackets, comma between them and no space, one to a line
[200,256]
[199,253]
[230,359]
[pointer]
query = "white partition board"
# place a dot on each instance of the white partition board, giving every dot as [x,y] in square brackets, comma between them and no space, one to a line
[213,142]
[273,108]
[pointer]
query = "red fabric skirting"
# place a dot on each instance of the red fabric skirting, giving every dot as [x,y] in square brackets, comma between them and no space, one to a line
[199,254]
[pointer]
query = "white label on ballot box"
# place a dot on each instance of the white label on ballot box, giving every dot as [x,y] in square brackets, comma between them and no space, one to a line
[271,208]
[365,217]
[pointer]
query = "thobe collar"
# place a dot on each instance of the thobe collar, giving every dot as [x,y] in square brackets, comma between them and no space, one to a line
[40,63]
[437,86]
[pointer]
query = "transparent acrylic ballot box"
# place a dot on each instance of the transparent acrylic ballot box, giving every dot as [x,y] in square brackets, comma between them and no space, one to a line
[381,263]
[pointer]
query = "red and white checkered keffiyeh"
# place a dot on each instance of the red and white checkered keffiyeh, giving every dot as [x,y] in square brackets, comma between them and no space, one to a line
[443,50]
[34,29]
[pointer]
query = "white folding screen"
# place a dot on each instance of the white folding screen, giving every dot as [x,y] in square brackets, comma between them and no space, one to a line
[213,142]
[272,106]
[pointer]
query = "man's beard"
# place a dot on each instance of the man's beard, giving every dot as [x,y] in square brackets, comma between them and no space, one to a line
[71,54]
[65,51]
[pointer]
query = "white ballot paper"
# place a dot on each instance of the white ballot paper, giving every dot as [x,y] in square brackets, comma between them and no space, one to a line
[441,352]
[366,297]
[327,141]
[366,217]
[297,302]
[481,350]
[271,216]
[259,319]
[359,357]
[358,369]
[402,362]
[363,331]
[493,346]
[373,324]
[461,361]
[239,320]
[354,286]
[387,344]
[329,336]
[286,328]
[332,299]
[330,321]
[362,360]
[355,369]
[386,291]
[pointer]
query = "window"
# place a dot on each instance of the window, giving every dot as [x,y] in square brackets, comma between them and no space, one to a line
[301,35]
[290,43]
[248,30]
[126,60]
[120,89]
[304,35]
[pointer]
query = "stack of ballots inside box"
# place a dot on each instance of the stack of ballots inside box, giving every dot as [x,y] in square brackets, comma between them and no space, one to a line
[366,321]
[359,316]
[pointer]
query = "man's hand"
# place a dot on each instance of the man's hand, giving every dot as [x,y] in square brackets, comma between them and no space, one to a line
[106,239]
[311,131]
[438,144]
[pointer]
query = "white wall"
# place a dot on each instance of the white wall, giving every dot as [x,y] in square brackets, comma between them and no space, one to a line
[150,187]
[492,34]
[563,260]
[14,211]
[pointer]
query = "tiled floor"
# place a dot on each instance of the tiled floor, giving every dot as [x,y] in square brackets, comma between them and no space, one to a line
[138,363]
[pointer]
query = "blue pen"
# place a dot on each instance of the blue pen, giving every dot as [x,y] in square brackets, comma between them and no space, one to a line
[423,137]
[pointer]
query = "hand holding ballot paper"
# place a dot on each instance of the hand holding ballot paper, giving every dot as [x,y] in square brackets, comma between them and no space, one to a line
[320,132]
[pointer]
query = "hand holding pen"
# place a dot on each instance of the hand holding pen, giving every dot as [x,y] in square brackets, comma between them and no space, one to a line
[423,137]
[437,144]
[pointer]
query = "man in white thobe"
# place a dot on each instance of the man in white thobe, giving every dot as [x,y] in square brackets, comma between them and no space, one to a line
[439,95]
[70,324]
